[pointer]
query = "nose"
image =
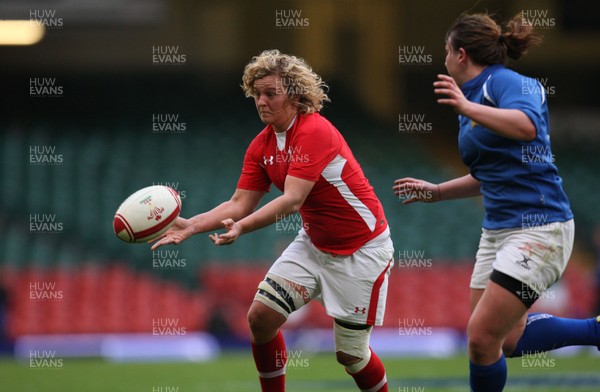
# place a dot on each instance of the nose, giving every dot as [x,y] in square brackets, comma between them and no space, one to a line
[260,100]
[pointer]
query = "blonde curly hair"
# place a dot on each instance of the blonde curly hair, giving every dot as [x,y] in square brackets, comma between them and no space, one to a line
[298,79]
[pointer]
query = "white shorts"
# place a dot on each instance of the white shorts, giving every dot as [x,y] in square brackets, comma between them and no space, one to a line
[535,256]
[351,288]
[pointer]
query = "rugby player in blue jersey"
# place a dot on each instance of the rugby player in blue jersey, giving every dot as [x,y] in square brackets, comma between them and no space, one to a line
[528,227]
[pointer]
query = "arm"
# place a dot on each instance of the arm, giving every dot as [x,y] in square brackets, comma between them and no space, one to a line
[460,188]
[510,123]
[295,192]
[412,190]
[241,204]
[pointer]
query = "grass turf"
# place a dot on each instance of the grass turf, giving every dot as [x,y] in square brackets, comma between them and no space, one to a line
[236,373]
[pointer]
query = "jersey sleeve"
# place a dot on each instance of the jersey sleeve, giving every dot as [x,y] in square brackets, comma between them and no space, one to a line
[312,150]
[515,91]
[254,177]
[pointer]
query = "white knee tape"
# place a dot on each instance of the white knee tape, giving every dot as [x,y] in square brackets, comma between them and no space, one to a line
[279,295]
[353,342]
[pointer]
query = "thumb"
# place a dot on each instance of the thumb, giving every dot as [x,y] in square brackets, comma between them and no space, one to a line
[228,222]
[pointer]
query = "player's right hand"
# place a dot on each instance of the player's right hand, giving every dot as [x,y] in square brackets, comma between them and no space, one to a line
[410,190]
[180,231]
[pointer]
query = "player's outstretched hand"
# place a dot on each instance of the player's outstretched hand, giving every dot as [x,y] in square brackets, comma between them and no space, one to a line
[410,190]
[180,231]
[228,238]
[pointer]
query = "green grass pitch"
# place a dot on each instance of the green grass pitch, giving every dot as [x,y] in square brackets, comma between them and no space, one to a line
[236,373]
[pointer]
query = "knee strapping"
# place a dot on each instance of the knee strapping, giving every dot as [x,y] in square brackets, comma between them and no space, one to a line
[353,340]
[278,294]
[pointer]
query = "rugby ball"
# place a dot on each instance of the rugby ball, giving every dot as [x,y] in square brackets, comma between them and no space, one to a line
[147,213]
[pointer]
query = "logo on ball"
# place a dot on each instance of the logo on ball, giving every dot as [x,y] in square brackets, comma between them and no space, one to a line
[153,212]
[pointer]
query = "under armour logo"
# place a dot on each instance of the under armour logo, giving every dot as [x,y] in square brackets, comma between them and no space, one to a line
[523,263]
[359,310]
[269,161]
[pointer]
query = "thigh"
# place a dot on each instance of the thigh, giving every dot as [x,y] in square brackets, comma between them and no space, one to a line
[300,265]
[514,335]
[484,264]
[496,314]
[354,288]
[536,257]
[474,297]
[290,283]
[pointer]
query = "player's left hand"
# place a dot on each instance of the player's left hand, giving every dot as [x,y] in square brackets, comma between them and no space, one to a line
[228,238]
[446,85]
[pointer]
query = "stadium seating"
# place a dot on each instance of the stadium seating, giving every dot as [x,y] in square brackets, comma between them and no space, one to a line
[114,298]
[97,299]
[100,168]
[112,286]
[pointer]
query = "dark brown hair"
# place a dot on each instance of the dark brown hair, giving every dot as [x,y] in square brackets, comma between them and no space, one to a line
[483,40]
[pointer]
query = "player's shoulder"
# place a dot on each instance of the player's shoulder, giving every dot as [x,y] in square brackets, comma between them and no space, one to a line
[314,123]
[314,128]
[263,135]
[260,139]
[503,77]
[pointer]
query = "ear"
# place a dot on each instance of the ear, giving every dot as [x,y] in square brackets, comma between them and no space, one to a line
[462,56]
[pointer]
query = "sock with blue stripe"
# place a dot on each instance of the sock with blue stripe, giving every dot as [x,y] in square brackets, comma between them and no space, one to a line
[545,332]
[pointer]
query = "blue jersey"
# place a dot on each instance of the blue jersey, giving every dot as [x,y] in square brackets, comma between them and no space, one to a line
[519,180]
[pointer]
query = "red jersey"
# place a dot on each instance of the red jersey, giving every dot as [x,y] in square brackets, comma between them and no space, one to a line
[341,213]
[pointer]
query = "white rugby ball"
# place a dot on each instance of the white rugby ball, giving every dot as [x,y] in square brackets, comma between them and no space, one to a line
[147,213]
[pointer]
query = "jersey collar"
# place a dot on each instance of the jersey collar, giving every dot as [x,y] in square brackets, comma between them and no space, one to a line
[292,123]
[478,80]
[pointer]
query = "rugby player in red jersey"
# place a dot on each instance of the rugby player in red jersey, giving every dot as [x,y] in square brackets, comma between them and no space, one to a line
[343,254]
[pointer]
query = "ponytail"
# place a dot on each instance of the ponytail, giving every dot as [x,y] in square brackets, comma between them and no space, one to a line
[519,37]
[482,38]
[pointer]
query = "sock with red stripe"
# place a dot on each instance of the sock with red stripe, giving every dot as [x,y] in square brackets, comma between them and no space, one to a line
[270,359]
[372,377]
